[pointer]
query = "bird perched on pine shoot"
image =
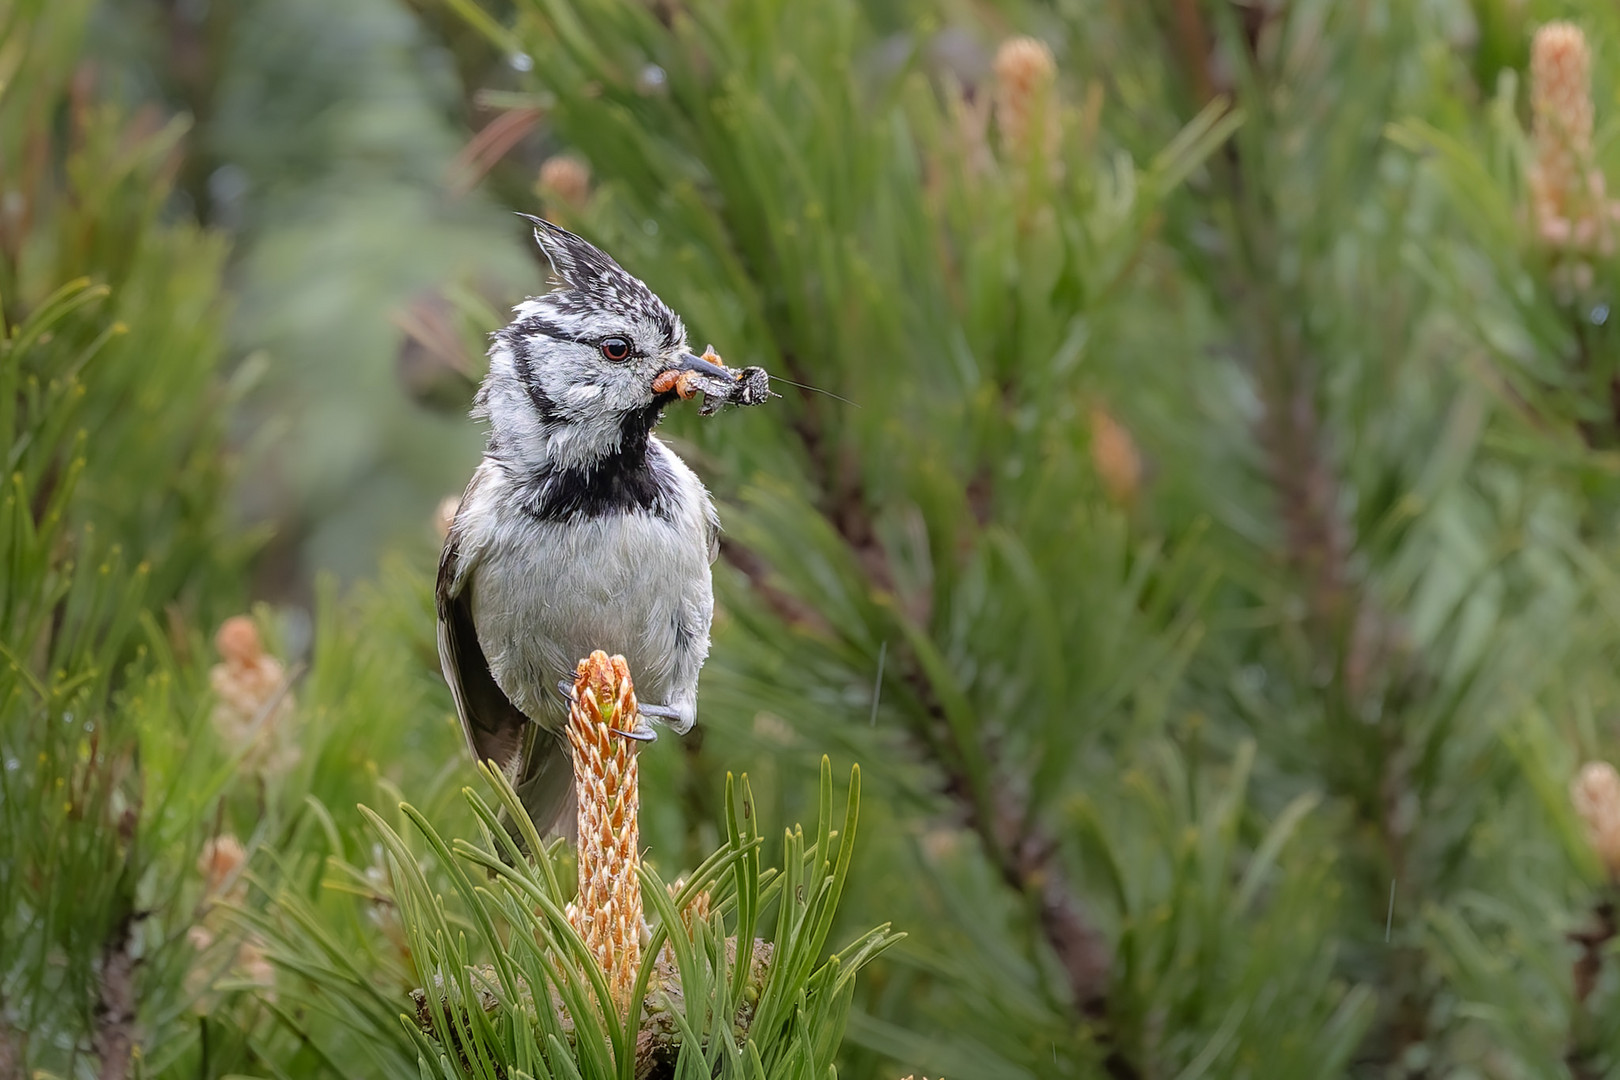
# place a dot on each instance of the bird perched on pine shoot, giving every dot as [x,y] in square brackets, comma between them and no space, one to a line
[580,531]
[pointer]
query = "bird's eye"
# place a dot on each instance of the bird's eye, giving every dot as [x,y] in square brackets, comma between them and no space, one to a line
[615,349]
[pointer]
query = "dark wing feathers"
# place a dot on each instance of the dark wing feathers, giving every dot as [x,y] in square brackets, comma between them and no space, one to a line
[492,724]
[535,761]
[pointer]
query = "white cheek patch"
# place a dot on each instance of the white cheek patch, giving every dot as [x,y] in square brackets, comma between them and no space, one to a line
[582,444]
[582,394]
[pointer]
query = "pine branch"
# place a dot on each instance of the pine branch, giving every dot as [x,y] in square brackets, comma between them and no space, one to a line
[1347,629]
[1022,853]
[1019,848]
[1592,940]
[794,613]
[12,1052]
[1193,42]
[113,1039]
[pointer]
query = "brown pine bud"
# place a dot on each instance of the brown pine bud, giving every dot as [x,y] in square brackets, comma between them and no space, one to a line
[567,179]
[1026,98]
[1115,457]
[1569,204]
[696,910]
[252,696]
[220,863]
[252,965]
[1596,795]
[1561,91]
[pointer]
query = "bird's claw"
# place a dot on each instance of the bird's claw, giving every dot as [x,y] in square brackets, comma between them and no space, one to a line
[679,722]
[642,733]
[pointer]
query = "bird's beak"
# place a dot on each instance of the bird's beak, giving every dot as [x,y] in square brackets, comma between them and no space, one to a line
[685,376]
[688,362]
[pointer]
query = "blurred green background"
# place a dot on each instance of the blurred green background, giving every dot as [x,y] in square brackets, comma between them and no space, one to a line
[1206,546]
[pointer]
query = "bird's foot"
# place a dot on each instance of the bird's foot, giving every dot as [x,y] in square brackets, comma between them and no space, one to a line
[642,733]
[680,721]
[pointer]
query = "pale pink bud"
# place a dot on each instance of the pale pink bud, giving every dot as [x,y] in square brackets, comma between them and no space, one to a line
[1596,795]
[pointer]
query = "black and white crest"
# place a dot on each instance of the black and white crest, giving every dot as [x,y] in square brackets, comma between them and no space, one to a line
[570,382]
[590,282]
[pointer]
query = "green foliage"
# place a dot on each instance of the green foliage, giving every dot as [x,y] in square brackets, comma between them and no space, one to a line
[1358,570]
[508,986]
[845,225]
[1209,550]
[110,323]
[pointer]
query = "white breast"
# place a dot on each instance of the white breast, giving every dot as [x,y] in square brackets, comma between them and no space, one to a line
[546,594]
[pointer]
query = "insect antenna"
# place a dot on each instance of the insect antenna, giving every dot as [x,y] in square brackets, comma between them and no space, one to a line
[817,389]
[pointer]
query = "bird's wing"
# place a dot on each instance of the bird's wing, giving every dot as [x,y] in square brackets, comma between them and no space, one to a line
[711,527]
[492,724]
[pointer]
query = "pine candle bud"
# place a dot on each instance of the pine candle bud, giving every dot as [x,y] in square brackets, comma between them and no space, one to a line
[1561,100]
[566,178]
[1596,795]
[1567,190]
[608,912]
[220,863]
[1026,78]
[250,686]
[1115,457]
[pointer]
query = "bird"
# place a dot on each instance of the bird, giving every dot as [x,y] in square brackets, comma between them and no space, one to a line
[580,530]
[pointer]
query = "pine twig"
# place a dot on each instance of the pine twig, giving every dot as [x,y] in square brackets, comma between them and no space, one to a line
[113,1038]
[13,1053]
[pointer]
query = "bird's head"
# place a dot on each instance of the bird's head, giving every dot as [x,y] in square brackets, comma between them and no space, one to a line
[571,378]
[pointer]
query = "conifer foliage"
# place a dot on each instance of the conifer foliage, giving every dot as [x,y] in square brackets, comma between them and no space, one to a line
[1191,502]
[1212,554]
[108,375]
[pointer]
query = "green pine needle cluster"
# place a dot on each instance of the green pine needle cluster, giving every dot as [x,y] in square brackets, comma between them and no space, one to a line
[510,989]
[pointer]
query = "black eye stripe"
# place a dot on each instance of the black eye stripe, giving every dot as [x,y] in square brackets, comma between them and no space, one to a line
[544,327]
[538,325]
